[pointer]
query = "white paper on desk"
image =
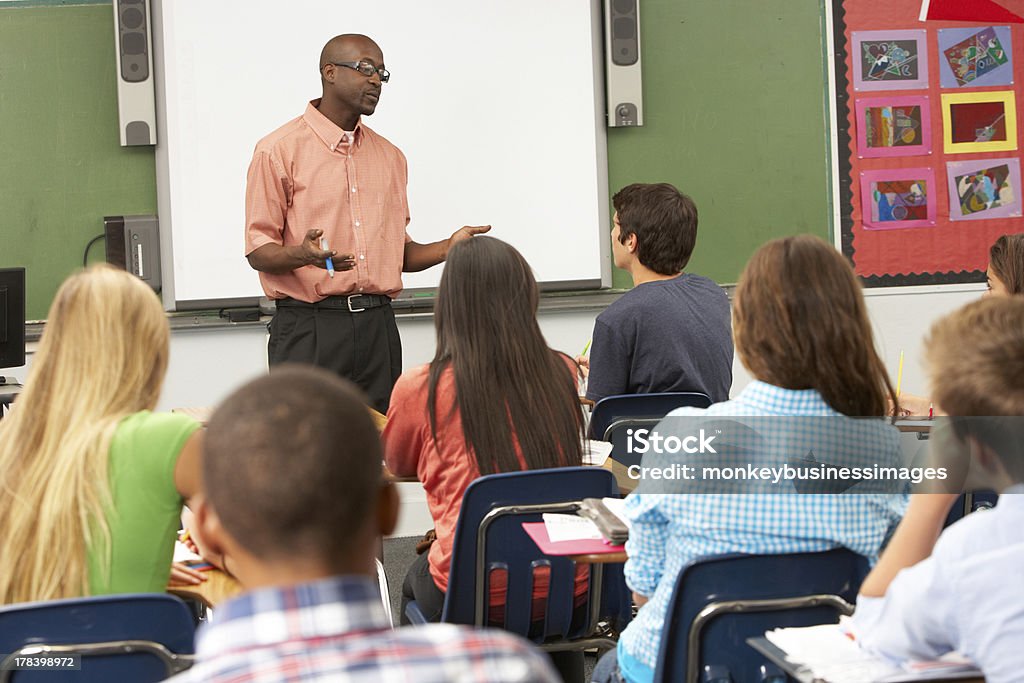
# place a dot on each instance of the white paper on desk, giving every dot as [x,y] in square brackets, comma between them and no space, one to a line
[183,554]
[596,452]
[833,656]
[829,653]
[569,528]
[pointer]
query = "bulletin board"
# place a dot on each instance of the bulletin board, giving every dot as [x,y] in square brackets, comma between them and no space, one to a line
[928,141]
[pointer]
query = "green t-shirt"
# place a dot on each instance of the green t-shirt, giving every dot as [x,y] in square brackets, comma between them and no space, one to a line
[146,504]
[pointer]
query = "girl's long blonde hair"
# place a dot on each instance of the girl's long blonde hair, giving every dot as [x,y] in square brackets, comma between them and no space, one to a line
[102,357]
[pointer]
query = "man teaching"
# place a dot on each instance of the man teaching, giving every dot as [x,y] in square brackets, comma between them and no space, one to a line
[327,176]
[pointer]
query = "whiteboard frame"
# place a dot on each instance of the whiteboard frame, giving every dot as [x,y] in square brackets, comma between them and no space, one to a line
[165,205]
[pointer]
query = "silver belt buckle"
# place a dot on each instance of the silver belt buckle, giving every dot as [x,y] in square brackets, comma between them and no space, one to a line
[349,302]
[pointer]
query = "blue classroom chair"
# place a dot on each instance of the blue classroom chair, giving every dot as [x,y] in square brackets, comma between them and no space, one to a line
[489,535]
[134,637]
[720,601]
[617,434]
[611,408]
[971,502]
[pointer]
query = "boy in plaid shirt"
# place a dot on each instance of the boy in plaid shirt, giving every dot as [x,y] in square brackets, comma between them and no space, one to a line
[276,454]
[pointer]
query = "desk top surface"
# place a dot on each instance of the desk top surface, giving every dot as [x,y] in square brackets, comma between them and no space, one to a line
[218,587]
[589,551]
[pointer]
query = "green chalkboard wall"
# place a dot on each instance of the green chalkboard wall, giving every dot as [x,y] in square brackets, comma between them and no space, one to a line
[62,168]
[734,103]
[734,97]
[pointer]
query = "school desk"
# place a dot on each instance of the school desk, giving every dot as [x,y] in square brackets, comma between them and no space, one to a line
[218,587]
[586,551]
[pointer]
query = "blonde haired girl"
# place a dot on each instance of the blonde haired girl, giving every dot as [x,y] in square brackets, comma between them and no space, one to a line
[92,482]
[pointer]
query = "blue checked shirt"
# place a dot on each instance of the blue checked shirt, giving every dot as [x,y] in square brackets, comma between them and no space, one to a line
[336,630]
[670,530]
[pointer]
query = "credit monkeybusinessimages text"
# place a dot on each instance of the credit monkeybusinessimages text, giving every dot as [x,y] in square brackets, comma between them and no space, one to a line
[775,475]
[645,441]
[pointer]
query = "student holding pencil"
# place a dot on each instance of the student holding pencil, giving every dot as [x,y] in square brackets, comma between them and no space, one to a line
[1004,277]
[962,590]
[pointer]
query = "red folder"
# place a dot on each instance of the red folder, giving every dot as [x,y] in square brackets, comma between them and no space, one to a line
[590,546]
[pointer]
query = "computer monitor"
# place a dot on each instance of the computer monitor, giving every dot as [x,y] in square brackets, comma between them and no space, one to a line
[12,317]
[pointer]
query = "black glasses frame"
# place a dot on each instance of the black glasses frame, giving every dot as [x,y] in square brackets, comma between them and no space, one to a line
[367,69]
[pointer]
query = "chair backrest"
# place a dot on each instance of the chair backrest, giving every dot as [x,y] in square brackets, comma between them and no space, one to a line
[971,502]
[508,547]
[618,432]
[153,622]
[611,408]
[720,601]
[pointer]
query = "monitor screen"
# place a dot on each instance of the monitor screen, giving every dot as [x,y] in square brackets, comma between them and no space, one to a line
[12,317]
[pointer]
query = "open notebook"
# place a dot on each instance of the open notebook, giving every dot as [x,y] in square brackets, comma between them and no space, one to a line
[829,654]
[609,522]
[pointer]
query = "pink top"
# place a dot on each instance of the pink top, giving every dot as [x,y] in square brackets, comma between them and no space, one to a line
[445,468]
[309,174]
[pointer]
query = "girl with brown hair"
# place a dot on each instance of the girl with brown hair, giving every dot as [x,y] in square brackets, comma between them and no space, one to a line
[801,328]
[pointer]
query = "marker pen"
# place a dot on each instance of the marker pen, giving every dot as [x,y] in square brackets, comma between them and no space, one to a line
[329,261]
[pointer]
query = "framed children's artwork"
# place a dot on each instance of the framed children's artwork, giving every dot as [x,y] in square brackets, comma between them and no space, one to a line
[938,150]
[984,188]
[893,126]
[975,57]
[898,198]
[979,122]
[889,60]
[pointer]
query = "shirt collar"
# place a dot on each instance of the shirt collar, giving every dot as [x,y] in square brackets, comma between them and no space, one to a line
[268,616]
[769,399]
[328,131]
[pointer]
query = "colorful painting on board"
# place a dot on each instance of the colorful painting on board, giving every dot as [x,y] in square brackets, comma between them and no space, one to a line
[898,198]
[894,126]
[984,188]
[979,121]
[889,60]
[969,57]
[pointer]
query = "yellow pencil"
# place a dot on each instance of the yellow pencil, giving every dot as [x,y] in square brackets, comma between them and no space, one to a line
[899,375]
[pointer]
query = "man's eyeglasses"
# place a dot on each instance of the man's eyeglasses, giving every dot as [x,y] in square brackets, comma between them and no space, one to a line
[367,69]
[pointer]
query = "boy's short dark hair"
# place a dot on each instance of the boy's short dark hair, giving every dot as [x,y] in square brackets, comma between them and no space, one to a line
[292,464]
[664,221]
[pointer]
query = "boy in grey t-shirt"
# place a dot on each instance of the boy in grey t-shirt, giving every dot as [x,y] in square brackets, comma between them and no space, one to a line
[672,331]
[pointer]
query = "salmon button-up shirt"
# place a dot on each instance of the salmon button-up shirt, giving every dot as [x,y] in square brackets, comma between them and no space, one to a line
[309,173]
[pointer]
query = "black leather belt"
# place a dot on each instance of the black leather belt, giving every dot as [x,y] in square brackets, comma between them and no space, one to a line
[353,303]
